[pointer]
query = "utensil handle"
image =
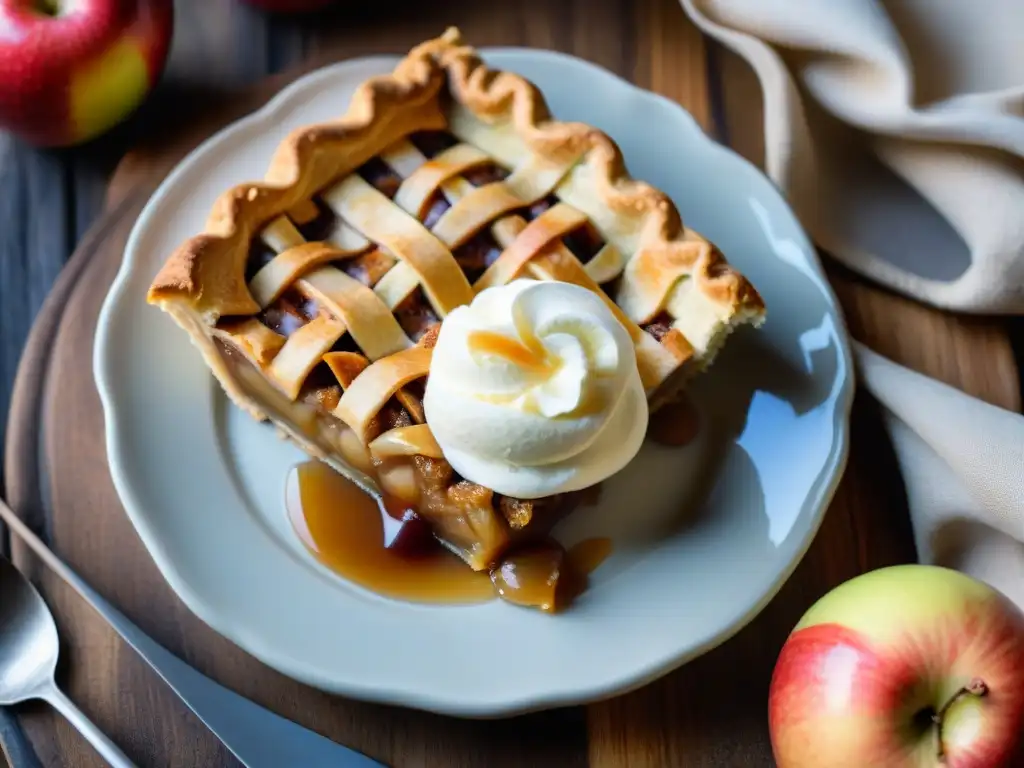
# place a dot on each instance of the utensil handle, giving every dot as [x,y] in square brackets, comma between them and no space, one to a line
[14,745]
[107,749]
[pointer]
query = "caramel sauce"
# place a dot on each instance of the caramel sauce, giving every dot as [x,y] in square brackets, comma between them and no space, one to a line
[529,357]
[587,556]
[532,577]
[581,560]
[548,577]
[675,424]
[389,551]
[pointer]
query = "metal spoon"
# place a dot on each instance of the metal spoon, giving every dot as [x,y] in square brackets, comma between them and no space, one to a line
[28,658]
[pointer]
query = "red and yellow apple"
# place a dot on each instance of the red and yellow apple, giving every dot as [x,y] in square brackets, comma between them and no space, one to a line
[911,665]
[72,69]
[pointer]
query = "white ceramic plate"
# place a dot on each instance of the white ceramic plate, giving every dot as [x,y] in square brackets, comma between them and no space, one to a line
[703,536]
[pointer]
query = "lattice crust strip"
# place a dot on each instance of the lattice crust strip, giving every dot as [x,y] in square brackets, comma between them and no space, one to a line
[658,266]
[367,314]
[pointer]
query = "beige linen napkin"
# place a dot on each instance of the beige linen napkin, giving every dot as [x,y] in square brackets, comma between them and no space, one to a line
[896,131]
[963,467]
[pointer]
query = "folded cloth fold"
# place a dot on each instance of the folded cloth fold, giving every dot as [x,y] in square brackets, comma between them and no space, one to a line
[896,131]
[962,462]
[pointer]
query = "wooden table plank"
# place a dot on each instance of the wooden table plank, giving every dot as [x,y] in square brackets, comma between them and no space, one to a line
[34,243]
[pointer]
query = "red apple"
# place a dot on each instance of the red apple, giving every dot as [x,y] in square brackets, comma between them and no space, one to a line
[911,665]
[71,69]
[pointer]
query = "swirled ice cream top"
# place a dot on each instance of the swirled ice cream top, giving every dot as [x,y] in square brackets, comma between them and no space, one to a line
[534,390]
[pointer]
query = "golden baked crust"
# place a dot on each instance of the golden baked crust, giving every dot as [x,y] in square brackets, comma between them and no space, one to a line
[667,266]
[331,339]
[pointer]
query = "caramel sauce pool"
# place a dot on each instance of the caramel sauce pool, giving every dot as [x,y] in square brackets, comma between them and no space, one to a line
[391,552]
[345,530]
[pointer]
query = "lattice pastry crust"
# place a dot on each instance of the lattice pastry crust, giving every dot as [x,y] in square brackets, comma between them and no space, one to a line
[402,217]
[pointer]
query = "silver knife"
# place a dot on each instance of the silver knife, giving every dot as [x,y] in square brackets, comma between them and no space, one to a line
[256,736]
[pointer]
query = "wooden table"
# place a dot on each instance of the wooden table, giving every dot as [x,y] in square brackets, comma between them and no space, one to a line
[710,713]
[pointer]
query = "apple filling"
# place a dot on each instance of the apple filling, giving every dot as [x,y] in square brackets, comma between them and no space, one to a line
[483,528]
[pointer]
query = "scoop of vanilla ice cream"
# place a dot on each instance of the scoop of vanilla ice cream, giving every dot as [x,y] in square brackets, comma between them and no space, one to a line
[534,390]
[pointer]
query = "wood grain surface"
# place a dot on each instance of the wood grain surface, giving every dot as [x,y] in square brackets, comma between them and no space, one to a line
[710,713]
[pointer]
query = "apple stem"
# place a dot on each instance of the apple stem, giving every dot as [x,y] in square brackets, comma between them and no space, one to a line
[976,687]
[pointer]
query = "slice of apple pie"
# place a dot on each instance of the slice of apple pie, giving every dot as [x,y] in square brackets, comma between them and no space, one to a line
[467,302]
